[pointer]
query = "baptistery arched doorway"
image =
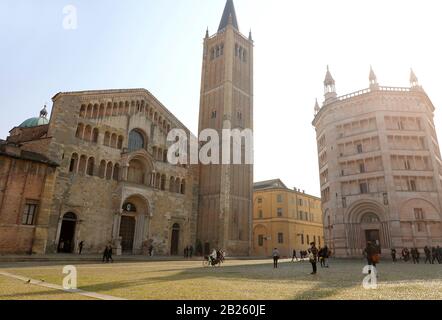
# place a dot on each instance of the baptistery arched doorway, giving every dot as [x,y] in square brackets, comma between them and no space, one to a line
[366,222]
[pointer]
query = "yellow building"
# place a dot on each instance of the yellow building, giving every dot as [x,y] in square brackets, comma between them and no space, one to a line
[285,219]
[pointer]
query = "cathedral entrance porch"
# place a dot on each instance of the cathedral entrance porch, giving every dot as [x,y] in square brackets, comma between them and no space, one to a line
[131,226]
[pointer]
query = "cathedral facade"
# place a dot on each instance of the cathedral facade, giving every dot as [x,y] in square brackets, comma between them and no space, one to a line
[110,179]
[380,168]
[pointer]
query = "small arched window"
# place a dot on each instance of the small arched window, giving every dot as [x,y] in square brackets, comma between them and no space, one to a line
[136,141]
[95,134]
[116,174]
[74,163]
[80,131]
[90,166]
[109,168]
[183,186]
[102,170]
[107,138]
[82,165]
[120,142]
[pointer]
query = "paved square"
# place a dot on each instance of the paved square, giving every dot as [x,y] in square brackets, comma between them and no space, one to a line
[236,280]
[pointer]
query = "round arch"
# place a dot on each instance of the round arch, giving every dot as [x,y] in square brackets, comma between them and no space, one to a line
[138,140]
[133,225]
[407,209]
[360,208]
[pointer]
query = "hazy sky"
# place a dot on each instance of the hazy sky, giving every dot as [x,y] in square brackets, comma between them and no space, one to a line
[157,45]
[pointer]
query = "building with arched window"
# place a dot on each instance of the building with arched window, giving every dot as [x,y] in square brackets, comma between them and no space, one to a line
[380,168]
[114,183]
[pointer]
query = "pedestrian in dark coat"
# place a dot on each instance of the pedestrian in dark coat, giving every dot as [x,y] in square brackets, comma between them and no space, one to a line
[109,253]
[427,252]
[393,254]
[80,247]
[294,256]
[371,253]
[313,257]
[276,256]
[106,254]
[434,254]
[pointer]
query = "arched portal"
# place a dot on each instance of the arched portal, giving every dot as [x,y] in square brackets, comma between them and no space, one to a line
[175,242]
[365,222]
[134,224]
[66,243]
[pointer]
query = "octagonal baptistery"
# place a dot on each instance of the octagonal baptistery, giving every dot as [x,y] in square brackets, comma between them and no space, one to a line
[380,168]
[115,185]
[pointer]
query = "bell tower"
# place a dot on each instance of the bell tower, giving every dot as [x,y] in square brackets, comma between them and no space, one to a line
[226,102]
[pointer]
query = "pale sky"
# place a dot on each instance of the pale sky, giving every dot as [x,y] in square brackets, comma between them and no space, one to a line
[157,45]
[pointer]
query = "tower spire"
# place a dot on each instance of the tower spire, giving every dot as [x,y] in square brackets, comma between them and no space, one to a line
[229,16]
[414,82]
[373,80]
[317,108]
[329,87]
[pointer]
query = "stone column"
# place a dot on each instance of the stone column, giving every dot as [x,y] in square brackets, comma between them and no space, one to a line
[125,172]
[116,233]
[138,237]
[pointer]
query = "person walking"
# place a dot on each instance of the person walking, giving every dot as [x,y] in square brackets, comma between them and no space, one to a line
[80,247]
[405,254]
[276,256]
[106,254]
[415,255]
[294,256]
[371,254]
[313,257]
[109,253]
[186,252]
[439,254]
[427,252]
[393,255]
[325,256]
[150,250]
[434,255]
[190,251]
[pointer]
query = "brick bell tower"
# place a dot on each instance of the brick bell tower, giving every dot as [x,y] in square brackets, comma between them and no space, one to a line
[226,191]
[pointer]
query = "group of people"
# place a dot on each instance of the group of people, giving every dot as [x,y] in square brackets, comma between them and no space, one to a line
[314,255]
[107,254]
[431,255]
[188,252]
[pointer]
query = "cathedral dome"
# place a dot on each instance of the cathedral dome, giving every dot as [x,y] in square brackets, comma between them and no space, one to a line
[36,121]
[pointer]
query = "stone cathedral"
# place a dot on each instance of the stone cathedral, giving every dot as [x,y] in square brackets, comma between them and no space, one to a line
[96,171]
